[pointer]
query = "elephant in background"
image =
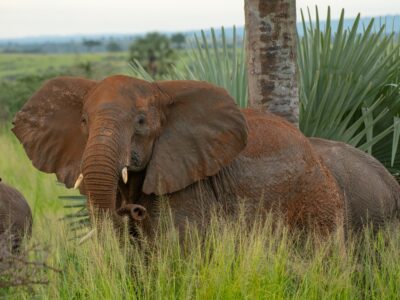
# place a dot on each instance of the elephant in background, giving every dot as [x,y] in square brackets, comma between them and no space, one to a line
[16,215]
[125,141]
[371,193]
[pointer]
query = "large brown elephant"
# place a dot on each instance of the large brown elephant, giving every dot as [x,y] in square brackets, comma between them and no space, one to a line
[128,141]
[372,195]
[15,216]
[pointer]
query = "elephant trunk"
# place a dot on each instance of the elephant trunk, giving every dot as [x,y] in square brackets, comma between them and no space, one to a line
[102,165]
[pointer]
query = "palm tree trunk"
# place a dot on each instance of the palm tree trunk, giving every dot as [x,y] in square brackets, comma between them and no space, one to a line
[271,57]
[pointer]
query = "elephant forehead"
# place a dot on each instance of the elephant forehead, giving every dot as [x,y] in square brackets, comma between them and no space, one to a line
[107,99]
[141,104]
[103,94]
[124,91]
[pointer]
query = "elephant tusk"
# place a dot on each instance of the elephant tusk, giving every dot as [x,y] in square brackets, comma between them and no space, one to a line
[87,236]
[78,181]
[125,175]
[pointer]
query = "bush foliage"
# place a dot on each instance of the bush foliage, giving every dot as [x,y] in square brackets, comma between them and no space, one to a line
[154,52]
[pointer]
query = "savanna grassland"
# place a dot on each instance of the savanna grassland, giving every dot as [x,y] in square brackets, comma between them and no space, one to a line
[230,262]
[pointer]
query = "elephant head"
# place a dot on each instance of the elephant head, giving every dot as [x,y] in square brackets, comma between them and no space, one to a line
[171,134]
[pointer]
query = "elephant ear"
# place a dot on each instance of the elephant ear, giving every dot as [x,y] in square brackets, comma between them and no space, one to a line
[203,131]
[49,127]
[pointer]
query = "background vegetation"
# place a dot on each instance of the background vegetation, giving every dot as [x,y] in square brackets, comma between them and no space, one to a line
[349,90]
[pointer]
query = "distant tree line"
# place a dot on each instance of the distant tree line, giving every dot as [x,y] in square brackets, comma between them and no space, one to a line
[84,45]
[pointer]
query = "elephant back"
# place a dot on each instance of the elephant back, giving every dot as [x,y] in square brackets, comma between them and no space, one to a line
[281,166]
[371,192]
[16,215]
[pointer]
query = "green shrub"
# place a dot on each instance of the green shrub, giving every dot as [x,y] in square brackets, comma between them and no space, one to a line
[154,52]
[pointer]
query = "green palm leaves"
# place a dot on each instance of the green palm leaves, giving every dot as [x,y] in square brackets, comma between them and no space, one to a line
[348,85]
[217,61]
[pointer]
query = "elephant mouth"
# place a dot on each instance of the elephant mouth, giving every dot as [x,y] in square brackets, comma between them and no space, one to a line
[135,162]
[129,193]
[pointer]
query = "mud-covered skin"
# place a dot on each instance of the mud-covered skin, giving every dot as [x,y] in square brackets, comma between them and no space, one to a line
[184,139]
[277,170]
[371,193]
[15,215]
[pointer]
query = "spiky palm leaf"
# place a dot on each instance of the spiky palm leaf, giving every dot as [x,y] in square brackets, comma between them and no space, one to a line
[77,219]
[346,85]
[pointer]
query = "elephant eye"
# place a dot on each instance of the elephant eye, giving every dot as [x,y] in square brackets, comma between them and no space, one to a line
[141,120]
[83,121]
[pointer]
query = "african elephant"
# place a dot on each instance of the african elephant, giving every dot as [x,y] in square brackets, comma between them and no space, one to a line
[16,216]
[371,193]
[125,141]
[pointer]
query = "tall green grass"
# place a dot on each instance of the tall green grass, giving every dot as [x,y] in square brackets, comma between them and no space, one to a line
[232,261]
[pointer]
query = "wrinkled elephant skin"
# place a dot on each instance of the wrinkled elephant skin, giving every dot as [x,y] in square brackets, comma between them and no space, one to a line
[371,193]
[129,141]
[16,216]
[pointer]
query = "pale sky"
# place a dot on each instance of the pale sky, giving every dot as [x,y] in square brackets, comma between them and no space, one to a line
[21,18]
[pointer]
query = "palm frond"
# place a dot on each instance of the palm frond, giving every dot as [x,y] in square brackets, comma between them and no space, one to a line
[344,92]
